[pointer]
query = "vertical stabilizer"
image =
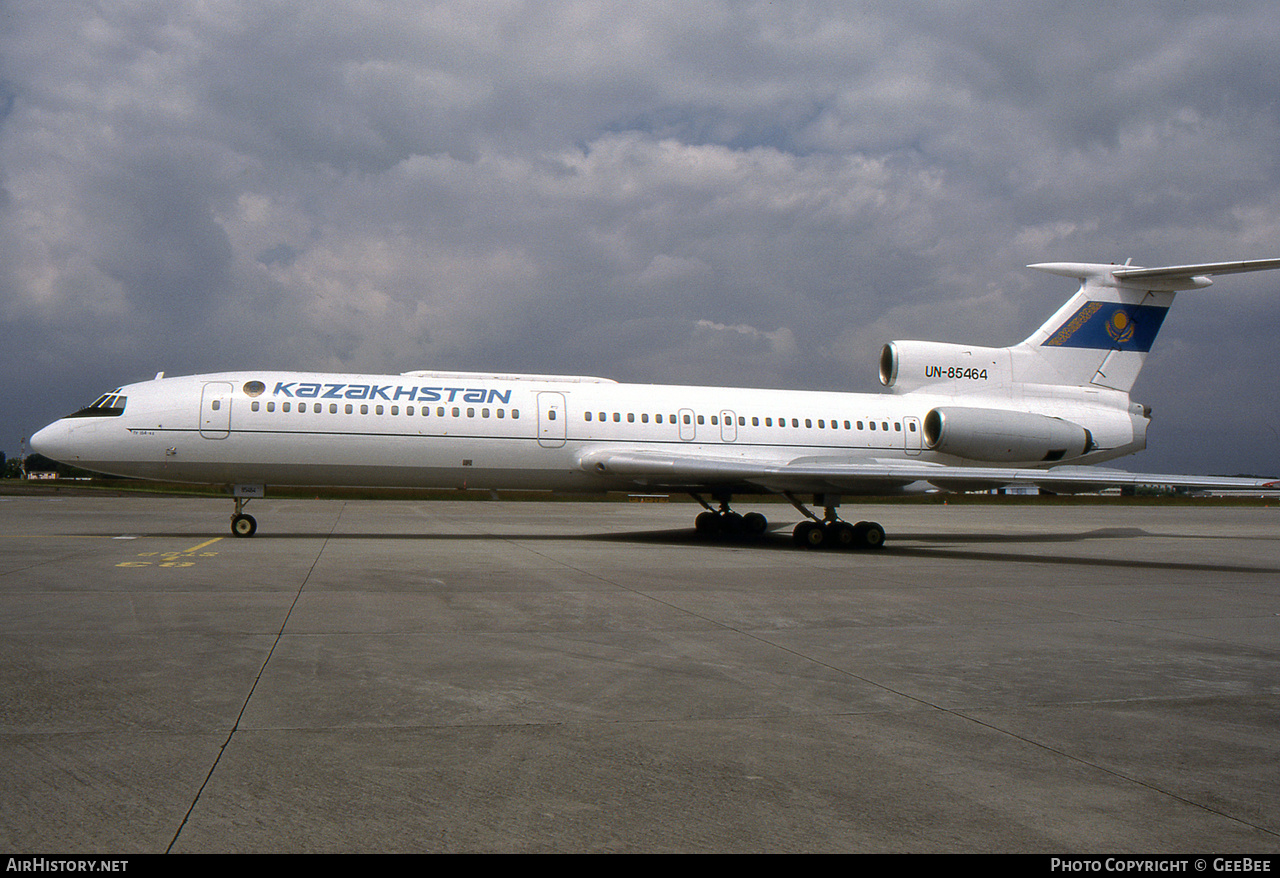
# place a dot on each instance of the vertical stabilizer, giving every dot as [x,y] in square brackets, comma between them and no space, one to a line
[1102,335]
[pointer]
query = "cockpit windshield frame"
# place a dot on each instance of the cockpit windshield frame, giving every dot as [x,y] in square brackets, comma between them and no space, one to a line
[109,405]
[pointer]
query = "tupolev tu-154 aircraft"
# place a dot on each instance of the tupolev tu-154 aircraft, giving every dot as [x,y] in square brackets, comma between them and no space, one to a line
[957,417]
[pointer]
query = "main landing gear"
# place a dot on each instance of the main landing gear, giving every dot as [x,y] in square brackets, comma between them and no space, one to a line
[243,524]
[830,531]
[726,522]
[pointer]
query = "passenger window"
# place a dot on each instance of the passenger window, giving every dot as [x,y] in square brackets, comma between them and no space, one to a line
[253,406]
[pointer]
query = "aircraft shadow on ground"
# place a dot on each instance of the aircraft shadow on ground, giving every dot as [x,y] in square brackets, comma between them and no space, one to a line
[957,546]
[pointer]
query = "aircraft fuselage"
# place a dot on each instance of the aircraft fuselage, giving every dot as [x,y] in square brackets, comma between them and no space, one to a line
[495,431]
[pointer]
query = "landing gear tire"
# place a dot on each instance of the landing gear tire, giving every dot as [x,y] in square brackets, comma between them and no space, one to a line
[707,523]
[755,524]
[842,535]
[243,525]
[731,524]
[809,535]
[868,535]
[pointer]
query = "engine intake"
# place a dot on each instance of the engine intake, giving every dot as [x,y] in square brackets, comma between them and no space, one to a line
[999,436]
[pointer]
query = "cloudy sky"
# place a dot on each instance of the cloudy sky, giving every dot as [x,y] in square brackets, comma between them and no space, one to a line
[708,191]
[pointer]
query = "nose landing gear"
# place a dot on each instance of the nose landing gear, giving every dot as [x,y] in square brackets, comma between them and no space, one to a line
[243,524]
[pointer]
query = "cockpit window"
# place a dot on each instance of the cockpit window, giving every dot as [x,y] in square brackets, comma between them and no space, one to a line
[109,405]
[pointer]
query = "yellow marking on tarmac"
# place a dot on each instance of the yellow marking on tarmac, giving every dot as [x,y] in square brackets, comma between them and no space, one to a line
[185,558]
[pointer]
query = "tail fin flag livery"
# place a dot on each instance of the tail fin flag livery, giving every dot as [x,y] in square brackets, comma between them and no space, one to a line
[1101,335]
[956,417]
[1117,313]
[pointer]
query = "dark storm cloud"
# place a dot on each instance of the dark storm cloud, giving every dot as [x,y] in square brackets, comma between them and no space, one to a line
[702,192]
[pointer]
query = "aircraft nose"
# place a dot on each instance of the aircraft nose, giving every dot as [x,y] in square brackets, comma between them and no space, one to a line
[52,442]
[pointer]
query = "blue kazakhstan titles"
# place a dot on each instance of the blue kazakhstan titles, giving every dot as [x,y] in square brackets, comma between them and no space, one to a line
[390,392]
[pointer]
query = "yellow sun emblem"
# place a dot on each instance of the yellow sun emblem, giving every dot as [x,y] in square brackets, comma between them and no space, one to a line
[1120,327]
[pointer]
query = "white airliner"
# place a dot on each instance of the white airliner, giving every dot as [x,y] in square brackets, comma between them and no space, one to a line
[957,417]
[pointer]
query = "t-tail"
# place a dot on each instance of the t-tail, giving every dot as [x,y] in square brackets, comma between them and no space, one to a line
[1098,339]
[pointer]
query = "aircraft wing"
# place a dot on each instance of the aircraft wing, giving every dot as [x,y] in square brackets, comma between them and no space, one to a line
[690,471]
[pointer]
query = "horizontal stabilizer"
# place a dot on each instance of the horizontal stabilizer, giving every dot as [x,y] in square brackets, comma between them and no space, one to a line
[1190,271]
[1168,278]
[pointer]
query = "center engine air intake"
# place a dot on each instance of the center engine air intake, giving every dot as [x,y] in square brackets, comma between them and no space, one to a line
[1000,436]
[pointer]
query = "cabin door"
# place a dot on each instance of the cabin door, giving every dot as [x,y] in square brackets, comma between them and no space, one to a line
[215,410]
[728,429]
[552,422]
[688,429]
[914,437]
